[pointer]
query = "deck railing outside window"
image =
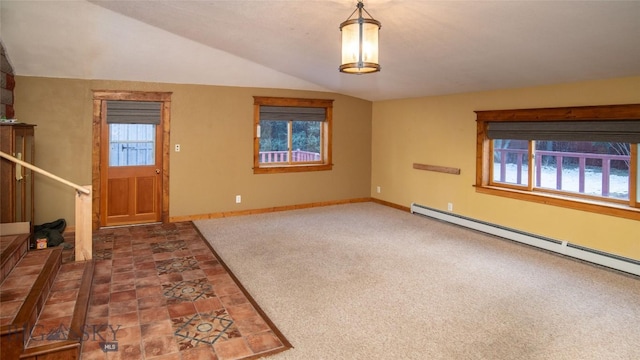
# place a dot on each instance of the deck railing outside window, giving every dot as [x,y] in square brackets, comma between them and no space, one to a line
[282,156]
[505,174]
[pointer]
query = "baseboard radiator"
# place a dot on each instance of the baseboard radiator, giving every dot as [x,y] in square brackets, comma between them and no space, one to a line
[563,247]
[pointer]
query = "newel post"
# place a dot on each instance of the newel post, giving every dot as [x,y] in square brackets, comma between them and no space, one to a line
[84,240]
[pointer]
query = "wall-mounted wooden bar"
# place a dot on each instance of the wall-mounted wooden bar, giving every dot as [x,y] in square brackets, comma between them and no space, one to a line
[442,169]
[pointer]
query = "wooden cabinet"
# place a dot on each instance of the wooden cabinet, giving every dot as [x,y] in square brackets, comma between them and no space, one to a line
[16,182]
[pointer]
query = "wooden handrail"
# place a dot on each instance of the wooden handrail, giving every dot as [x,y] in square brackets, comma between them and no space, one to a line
[46,173]
[83,243]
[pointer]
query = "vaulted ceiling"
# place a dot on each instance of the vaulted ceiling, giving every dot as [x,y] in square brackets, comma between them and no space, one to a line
[426,47]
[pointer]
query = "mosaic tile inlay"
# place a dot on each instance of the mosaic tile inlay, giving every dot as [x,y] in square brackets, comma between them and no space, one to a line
[188,290]
[177,265]
[168,296]
[204,328]
[169,246]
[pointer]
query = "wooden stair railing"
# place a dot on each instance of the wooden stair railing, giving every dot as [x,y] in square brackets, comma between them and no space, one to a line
[83,246]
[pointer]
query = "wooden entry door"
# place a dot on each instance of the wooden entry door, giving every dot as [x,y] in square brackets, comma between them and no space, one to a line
[132,163]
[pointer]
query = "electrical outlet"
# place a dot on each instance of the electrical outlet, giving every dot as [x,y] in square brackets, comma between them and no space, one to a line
[449,206]
[378,189]
[177,148]
[238,199]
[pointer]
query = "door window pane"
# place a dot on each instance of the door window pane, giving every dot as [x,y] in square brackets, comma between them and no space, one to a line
[132,144]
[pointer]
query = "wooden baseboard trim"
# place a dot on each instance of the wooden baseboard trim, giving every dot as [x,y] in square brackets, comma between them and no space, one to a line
[71,229]
[266,210]
[390,204]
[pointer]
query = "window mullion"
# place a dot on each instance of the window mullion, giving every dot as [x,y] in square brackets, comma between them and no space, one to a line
[634,181]
[491,160]
[290,139]
[532,164]
[323,146]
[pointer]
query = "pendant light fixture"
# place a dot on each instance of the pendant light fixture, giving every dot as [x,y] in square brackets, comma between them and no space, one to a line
[360,43]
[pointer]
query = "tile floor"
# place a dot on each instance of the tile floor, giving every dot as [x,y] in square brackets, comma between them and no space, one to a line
[55,320]
[159,292]
[16,286]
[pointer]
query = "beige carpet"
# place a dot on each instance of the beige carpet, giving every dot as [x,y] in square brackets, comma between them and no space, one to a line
[365,281]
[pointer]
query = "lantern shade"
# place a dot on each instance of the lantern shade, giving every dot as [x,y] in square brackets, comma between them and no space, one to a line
[360,45]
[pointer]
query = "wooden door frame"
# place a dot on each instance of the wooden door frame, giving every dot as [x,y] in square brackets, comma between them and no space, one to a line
[102,95]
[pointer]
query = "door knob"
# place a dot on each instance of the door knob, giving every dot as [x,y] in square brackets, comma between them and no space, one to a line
[157,171]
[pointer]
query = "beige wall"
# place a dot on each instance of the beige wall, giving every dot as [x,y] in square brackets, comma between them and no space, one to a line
[213,125]
[374,145]
[442,131]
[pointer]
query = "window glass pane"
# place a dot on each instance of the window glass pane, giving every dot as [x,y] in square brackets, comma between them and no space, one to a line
[132,144]
[294,135]
[592,168]
[274,141]
[511,161]
[306,141]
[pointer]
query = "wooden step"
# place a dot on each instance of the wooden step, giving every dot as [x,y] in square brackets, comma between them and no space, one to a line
[12,249]
[23,294]
[61,327]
